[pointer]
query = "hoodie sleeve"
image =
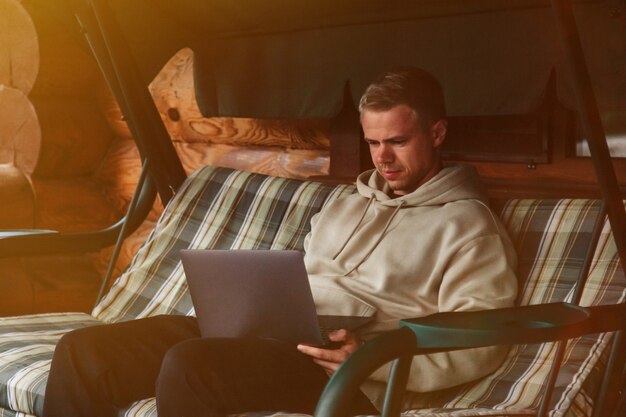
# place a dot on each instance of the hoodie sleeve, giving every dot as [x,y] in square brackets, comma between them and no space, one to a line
[479,276]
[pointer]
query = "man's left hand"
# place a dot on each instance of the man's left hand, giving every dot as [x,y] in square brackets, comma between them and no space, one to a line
[330,359]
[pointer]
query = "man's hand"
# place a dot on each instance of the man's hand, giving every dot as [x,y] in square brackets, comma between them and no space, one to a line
[330,359]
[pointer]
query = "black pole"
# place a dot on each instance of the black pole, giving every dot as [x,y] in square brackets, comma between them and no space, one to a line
[605,172]
[592,124]
[167,168]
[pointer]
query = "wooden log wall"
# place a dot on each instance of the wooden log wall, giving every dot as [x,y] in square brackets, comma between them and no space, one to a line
[20,133]
[52,139]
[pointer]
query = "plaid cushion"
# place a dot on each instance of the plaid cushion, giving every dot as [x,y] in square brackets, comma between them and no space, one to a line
[551,238]
[218,209]
[10,413]
[223,209]
[26,347]
[215,208]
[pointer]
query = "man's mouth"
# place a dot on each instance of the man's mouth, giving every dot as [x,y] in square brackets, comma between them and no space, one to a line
[391,174]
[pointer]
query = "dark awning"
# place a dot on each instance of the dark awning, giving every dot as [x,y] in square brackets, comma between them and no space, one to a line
[292,59]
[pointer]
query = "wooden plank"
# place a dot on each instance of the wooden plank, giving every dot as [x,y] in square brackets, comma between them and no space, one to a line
[20,132]
[19,47]
[174,96]
[18,208]
[73,205]
[290,163]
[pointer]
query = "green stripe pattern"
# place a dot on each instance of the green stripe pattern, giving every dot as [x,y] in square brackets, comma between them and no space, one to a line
[226,209]
[218,209]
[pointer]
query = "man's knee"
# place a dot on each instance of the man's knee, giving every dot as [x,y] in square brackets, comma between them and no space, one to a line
[81,350]
[179,361]
[81,340]
[184,386]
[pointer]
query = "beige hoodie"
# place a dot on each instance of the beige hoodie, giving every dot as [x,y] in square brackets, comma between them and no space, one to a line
[437,249]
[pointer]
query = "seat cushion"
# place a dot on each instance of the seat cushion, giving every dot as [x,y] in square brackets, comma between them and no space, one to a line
[26,347]
[552,238]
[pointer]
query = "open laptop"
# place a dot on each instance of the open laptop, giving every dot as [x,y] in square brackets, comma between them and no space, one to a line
[257,293]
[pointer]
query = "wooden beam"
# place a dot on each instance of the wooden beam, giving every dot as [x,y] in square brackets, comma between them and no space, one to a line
[349,154]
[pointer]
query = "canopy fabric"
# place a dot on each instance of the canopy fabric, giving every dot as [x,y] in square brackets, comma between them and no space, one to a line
[286,59]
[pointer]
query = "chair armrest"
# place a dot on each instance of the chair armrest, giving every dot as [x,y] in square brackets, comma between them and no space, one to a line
[504,326]
[444,332]
[30,242]
[9,233]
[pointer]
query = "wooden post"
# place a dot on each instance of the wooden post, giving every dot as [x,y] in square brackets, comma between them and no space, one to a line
[18,209]
[19,47]
[20,133]
[349,155]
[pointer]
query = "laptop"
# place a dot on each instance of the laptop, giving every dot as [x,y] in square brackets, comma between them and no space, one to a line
[257,293]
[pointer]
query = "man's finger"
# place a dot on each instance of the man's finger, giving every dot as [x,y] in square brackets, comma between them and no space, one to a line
[328,366]
[329,355]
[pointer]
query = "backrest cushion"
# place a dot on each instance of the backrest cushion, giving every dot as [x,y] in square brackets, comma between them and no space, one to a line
[216,208]
[551,239]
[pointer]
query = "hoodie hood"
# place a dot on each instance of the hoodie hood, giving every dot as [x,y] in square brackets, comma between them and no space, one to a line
[451,184]
[460,182]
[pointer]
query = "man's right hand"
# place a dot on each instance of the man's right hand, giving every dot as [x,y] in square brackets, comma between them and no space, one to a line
[330,359]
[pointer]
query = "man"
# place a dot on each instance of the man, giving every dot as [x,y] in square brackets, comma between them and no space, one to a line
[416,239]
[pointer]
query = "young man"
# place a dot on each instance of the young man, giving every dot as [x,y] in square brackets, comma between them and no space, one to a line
[416,239]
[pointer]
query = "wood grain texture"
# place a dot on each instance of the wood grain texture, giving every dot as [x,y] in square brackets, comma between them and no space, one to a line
[55,283]
[289,163]
[174,96]
[17,295]
[20,132]
[19,47]
[118,175]
[18,208]
[73,205]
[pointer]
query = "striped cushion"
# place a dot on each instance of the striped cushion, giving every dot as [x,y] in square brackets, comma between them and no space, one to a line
[551,238]
[218,209]
[26,347]
[215,208]
[221,208]
[10,413]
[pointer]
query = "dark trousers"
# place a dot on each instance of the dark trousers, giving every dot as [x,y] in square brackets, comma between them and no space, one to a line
[100,370]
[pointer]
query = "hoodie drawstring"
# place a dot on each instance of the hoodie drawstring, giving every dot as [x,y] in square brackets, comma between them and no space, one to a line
[380,237]
[369,203]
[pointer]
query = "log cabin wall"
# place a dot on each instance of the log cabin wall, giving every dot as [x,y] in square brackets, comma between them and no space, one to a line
[88,163]
[74,138]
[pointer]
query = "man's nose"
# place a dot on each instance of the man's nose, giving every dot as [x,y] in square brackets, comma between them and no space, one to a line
[384,154]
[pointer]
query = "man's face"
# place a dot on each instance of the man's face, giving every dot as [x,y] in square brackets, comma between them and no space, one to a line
[403,153]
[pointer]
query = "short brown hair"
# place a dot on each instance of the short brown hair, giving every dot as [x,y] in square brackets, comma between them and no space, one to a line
[410,86]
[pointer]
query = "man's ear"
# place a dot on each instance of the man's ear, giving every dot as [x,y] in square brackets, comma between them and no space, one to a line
[439,131]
